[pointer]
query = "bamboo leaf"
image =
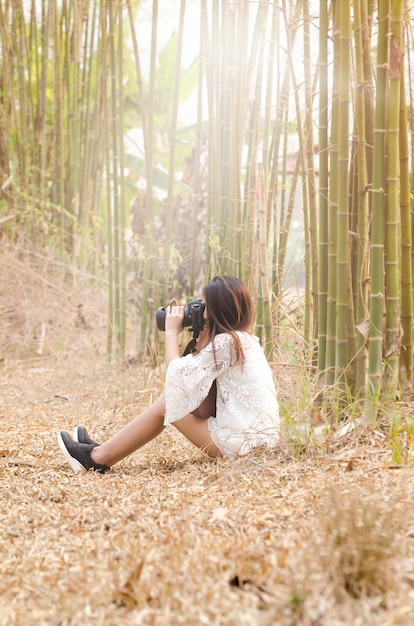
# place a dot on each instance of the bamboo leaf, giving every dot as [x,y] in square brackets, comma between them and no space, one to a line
[160,176]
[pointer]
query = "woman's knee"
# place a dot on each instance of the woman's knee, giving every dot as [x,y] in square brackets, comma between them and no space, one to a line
[196,430]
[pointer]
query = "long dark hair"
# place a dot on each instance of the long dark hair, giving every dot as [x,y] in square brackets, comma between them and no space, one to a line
[229,308]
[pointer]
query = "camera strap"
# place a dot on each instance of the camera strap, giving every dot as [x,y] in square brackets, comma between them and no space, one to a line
[191,346]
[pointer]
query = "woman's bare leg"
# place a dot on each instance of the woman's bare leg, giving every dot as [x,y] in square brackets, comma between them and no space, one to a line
[195,429]
[148,425]
[145,427]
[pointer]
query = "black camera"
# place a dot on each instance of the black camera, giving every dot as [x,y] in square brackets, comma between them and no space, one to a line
[193,316]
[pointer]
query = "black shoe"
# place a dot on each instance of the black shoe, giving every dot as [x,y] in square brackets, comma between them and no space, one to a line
[78,455]
[80,434]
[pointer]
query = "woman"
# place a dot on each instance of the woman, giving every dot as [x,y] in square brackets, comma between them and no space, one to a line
[228,359]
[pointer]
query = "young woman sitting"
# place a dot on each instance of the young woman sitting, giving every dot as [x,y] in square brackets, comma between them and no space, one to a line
[221,397]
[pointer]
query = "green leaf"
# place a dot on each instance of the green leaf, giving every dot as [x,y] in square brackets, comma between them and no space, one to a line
[160,177]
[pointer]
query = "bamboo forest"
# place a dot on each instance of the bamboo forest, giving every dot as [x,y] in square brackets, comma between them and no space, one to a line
[158,144]
[250,162]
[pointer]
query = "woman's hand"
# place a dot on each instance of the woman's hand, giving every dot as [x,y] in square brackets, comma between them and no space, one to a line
[174,316]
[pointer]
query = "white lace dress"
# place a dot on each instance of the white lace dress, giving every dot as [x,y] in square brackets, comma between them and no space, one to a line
[247,412]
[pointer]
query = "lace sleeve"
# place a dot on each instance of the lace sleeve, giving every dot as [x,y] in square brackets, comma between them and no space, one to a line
[189,378]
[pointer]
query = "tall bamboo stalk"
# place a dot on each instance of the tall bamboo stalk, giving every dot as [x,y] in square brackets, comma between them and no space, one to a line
[173,141]
[240,103]
[21,64]
[281,212]
[229,200]
[198,148]
[406,352]
[74,111]
[58,169]
[329,377]
[122,203]
[280,125]
[367,17]
[343,257]
[103,79]
[392,286]
[115,174]
[255,68]
[377,227]
[392,337]
[149,268]
[310,168]
[285,228]
[89,174]
[268,107]
[148,151]
[213,72]
[305,194]
[360,272]
[264,269]
[323,184]
[409,31]
[7,110]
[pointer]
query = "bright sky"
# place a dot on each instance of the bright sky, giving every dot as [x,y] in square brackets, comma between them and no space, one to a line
[168,21]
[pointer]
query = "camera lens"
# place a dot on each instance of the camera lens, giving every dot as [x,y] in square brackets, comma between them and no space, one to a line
[160,317]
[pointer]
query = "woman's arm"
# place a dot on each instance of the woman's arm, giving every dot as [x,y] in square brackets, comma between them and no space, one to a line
[173,326]
[189,379]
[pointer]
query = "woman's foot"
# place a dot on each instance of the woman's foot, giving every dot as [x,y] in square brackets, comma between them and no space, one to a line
[80,434]
[78,455]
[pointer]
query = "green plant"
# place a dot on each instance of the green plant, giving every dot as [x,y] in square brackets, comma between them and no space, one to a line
[396,441]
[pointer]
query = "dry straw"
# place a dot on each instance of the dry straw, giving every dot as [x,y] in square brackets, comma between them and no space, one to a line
[362,541]
[170,537]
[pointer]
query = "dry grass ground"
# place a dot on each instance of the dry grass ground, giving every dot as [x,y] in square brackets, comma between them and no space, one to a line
[322,537]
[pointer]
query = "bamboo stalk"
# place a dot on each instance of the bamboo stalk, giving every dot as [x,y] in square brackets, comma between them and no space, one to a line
[150,270]
[329,373]
[377,228]
[122,203]
[213,73]
[89,132]
[196,198]
[227,219]
[309,145]
[305,195]
[281,122]
[173,145]
[11,40]
[6,115]
[264,269]
[323,184]
[21,65]
[151,286]
[285,230]
[362,197]
[341,354]
[255,65]
[115,175]
[280,213]
[410,92]
[392,286]
[32,74]
[406,352]
[104,72]
[269,87]
[58,174]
